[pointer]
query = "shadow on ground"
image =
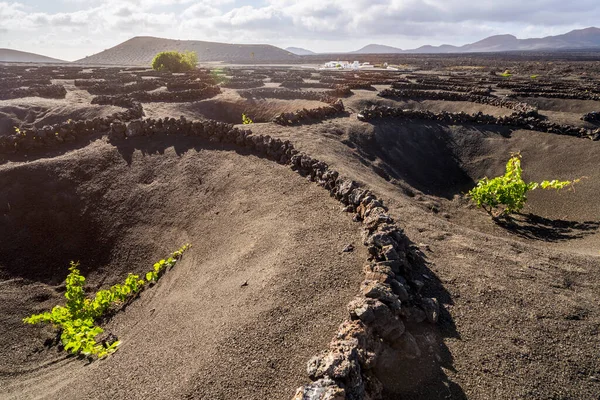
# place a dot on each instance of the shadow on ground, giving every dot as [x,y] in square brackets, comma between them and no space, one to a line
[422,378]
[426,155]
[535,227]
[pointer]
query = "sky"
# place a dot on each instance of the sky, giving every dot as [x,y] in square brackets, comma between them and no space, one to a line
[73,29]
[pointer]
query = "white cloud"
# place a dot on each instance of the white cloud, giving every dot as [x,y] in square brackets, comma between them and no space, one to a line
[83,27]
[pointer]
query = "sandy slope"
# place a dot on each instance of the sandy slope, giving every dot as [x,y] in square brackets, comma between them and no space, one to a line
[521,317]
[142,49]
[9,55]
[198,331]
[35,111]
[522,313]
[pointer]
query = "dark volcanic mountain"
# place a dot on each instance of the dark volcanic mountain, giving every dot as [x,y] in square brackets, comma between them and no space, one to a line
[377,49]
[9,55]
[299,51]
[142,49]
[588,38]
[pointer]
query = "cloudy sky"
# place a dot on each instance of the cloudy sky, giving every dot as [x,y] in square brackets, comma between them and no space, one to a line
[73,29]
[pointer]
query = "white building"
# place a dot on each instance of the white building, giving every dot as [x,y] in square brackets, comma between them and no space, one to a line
[342,65]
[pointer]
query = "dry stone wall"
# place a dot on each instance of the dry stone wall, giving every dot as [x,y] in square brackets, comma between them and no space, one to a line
[389,299]
[114,88]
[515,120]
[442,85]
[409,94]
[593,116]
[285,94]
[177,97]
[46,91]
[307,116]
[243,83]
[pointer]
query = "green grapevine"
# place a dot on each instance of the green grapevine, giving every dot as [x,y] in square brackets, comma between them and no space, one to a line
[507,194]
[246,120]
[77,319]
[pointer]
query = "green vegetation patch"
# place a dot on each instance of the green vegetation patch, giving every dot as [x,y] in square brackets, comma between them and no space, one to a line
[246,120]
[76,321]
[174,61]
[507,194]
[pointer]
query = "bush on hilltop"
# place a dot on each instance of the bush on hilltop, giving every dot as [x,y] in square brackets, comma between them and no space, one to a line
[174,61]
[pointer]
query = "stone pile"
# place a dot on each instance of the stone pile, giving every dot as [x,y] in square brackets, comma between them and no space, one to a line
[515,120]
[310,115]
[593,116]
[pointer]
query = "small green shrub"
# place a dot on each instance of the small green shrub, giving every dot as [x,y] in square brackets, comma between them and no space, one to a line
[219,76]
[507,194]
[246,120]
[77,319]
[174,61]
[506,74]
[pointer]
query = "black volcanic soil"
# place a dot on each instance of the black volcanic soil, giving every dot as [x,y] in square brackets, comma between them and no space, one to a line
[199,331]
[523,320]
[520,319]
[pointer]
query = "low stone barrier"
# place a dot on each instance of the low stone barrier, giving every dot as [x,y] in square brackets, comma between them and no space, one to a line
[176,97]
[243,83]
[17,82]
[389,298]
[593,116]
[302,85]
[285,94]
[519,107]
[310,115]
[442,85]
[45,91]
[134,108]
[182,85]
[109,88]
[515,120]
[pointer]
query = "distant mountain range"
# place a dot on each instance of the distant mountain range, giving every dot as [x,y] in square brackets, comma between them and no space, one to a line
[140,50]
[377,49]
[588,38]
[300,51]
[9,55]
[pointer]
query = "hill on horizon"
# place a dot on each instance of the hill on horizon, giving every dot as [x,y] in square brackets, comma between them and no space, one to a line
[299,51]
[587,38]
[10,55]
[377,49]
[140,50]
